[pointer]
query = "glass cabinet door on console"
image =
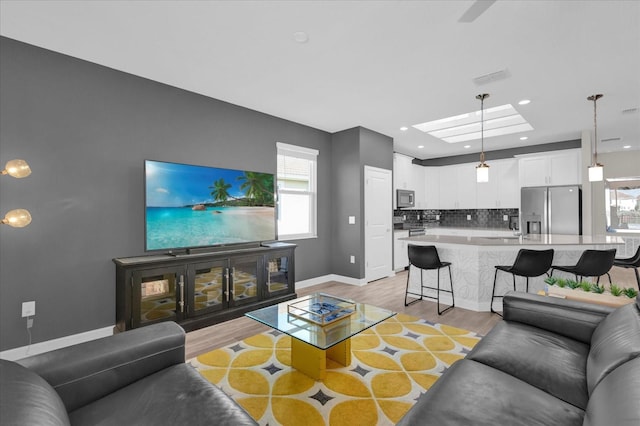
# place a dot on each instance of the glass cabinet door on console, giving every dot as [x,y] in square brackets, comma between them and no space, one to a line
[158,295]
[209,290]
[244,274]
[277,269]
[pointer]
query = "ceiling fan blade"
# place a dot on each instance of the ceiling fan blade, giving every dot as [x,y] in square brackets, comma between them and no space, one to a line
[477,8]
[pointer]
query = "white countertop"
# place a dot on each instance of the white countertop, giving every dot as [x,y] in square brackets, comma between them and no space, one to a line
[528,240]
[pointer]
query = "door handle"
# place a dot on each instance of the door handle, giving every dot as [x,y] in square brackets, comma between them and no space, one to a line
[181,303]
[226,276]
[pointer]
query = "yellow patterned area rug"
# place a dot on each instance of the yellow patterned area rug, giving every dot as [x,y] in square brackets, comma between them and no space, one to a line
[393,363]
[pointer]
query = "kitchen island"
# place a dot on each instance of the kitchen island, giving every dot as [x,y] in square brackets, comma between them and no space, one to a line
[473,260]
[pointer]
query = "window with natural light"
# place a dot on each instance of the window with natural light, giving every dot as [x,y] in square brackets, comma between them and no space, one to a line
[297,199]
[622,197]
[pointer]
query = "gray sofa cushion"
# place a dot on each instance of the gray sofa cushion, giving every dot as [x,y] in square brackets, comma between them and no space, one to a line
[471,393]
[84,373]
[27,399]
[615,400]
[177,395]
[615,341]
[548,361]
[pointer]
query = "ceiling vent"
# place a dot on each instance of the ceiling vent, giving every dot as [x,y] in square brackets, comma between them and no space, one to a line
[610,140]
[491,77]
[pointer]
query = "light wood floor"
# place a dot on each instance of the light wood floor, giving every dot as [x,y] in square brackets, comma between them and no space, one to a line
[387,293]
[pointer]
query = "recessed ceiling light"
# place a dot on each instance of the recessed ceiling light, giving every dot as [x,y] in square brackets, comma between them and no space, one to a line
[524,138]
[498,121]
[467,146]
[404,129]
[524,102]
[627,146]
[420,146]
[301,37]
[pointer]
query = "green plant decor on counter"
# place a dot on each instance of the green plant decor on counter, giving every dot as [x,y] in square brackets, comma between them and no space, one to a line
[631,293]
[573,284]
[589,287]
[585,286]
[616,290]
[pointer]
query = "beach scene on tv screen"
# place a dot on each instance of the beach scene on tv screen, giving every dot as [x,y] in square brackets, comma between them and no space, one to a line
[196,206]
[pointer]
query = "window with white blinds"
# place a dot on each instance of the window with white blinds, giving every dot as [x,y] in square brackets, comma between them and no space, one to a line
[297,198]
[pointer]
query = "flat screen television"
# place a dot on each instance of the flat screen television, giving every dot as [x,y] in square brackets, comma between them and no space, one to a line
[189,206]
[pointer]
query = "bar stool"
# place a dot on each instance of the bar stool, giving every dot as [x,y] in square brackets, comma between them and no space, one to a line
[592,263]
[528,263]
[426,258]
[630,262]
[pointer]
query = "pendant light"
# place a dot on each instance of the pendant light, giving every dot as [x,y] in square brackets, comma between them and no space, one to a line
[482,169]
[596,170]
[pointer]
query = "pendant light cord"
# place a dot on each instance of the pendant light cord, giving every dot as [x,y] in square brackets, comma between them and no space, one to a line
[482,97]
[595,98]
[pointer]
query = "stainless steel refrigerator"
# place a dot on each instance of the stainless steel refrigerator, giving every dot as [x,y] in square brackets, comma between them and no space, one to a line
[551,210]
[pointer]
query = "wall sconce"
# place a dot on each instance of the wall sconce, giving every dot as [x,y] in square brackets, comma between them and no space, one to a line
[17,168]
[18,218]
[596,170]
[482,169]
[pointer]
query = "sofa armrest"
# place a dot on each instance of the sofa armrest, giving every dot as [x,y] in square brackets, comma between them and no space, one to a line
[576,320]
[88,371]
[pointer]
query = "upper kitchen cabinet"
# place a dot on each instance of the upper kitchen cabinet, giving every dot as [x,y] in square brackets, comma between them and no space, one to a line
[552,168]
[402,171]
[431,188]
[417,184]
[458,186]
[503,189]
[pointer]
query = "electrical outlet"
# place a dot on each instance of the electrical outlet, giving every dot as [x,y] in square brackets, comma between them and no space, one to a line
[505,218]
[28,309]
[437,217]
[352,259]
[352,220]
[468,217]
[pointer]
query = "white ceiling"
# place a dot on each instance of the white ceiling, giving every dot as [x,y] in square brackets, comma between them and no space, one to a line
[377,64]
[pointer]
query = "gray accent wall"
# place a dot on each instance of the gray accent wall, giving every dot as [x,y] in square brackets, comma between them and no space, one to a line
[86,130]
[363,147]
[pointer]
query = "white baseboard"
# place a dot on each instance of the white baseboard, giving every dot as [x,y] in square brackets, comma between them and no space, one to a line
[49,345]
[331,277]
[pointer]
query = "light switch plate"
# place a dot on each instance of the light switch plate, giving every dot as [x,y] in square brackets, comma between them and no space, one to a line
[28,309]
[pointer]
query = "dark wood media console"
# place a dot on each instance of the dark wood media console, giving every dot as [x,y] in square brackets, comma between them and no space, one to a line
[201,289]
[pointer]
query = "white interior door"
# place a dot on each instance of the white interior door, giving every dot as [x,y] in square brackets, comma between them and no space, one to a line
[378,235]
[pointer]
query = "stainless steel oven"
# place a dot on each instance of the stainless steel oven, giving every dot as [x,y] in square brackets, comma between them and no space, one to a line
[405,198]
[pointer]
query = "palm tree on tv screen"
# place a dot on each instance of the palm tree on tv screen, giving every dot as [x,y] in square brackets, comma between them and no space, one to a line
[220,191]
[258,188]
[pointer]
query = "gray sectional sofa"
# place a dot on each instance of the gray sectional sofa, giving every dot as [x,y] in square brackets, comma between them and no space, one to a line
[134,378]
[550,362]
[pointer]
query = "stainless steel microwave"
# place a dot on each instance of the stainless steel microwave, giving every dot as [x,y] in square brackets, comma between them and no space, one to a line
[405,198]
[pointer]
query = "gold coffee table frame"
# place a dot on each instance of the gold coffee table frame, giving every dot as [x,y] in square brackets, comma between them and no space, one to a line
[312,343]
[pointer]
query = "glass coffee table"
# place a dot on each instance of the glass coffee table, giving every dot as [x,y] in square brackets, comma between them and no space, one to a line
[321,327]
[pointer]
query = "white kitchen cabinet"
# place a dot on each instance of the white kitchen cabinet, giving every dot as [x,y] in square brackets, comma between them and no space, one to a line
[400,255]
[503,189]
[432,188]
[458,186]
[402,173]
[553,168]
[417,185]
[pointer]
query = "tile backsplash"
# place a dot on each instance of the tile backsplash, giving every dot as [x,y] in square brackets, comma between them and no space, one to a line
[471,218]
